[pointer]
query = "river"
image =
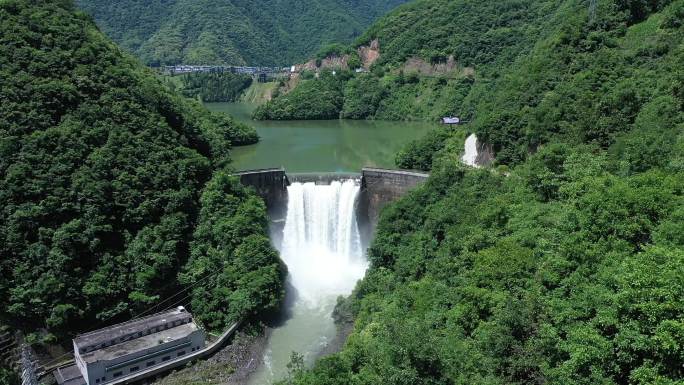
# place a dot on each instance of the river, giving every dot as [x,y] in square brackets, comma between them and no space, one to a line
[321,241]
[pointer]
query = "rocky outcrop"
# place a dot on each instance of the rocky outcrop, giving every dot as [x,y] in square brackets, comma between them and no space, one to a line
[369,54]
[477,153]
[449,67]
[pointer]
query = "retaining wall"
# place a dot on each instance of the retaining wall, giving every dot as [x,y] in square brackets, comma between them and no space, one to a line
[381,186]
[270,184]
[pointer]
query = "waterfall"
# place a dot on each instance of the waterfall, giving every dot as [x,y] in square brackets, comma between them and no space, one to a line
[321,243]
[322,249]
[470,155]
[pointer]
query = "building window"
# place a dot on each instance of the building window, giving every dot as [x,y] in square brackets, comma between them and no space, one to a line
[166,358]
[97,380]
[134,369]
[151,363]
[117,374]
[182,352]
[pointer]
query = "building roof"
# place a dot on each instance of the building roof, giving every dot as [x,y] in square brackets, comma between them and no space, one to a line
[451,120]
[145,342]
[130,330]
[69,375]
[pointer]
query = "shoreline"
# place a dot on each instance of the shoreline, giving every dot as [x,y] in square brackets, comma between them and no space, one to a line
[231,365]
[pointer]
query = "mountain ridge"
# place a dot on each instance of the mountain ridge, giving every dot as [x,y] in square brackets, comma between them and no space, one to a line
[233,32]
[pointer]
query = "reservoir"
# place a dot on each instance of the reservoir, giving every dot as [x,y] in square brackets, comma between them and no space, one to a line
[321,240]
[321,145]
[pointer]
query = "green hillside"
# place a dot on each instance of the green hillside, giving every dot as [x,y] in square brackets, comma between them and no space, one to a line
[264,32]
[563,263]
[431,54]
[113,188]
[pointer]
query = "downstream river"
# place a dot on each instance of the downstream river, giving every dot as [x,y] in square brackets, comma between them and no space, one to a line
[323,145]
[321,242]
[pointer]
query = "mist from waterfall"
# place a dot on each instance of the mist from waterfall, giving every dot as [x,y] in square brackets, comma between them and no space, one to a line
[321,247]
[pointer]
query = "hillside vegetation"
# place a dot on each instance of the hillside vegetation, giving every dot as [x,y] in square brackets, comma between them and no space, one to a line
[235,32]
[564,263]
[431,54]
[442,58]
[210,87]
[113,189]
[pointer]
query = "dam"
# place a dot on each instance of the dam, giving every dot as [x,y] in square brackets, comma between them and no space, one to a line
[378,187]
[321,223]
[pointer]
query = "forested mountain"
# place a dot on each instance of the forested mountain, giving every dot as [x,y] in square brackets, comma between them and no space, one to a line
[563,263]
[430,54]
[113,188]
[263,32]
[211,87]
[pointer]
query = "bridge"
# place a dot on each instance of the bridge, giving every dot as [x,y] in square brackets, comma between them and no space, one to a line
[378,187]
[247,70]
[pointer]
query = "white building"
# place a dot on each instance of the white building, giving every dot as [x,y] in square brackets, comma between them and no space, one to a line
[122,350]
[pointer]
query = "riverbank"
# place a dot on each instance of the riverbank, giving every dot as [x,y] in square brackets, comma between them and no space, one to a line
[258,93]
[231,365]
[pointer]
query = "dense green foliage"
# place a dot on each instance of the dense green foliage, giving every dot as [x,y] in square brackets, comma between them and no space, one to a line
[313,99]
[362,96]
[231,246]
[264,32]
[587,82]
[419,154]
[516,49]
[480,40]
[8,377]
[214,87]
[101,172]
[565,264]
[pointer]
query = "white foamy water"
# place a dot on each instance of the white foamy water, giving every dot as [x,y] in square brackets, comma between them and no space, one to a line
[470,155]
[321,243]
[322,250]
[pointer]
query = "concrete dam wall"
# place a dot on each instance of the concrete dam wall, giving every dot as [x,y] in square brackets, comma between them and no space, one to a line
[378,188]
[270,184]
[381,186]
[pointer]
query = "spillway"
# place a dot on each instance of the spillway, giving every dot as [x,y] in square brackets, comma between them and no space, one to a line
[321,246]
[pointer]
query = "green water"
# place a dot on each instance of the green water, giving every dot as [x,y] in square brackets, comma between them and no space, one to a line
[321,146]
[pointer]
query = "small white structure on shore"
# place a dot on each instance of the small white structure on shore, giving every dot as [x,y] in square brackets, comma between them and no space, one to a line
[451,120]
[470,154]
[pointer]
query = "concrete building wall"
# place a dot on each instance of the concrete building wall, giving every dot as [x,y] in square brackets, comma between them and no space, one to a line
[79,362]
[101,372]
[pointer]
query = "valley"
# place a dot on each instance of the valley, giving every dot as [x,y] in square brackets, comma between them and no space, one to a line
[421,192]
